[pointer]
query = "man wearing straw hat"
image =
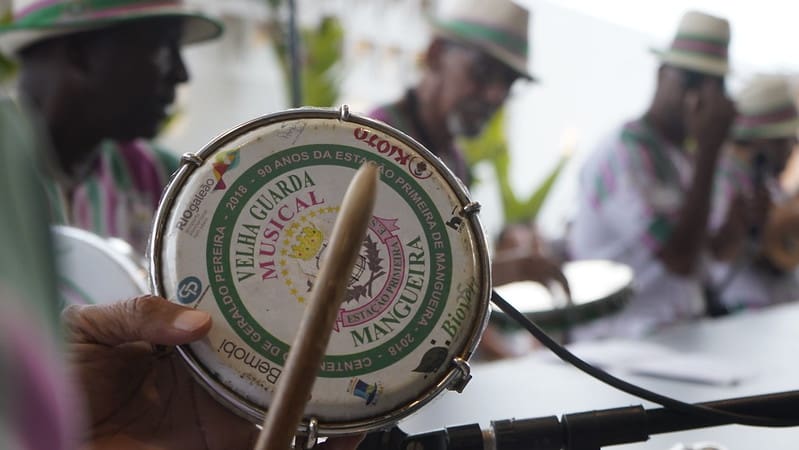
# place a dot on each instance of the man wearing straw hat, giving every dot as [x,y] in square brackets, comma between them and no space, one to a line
[91,71]
[749,202]
[95,71]
[99,77]
[478,50]
[645,193]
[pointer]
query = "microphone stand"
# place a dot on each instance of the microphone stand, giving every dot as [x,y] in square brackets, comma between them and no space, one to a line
[584,431]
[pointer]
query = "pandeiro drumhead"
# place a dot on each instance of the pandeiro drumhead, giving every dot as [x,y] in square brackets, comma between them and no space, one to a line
[240,234]
[95,270]
[598,288]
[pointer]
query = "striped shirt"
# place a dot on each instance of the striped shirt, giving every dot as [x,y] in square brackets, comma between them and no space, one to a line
[745,283]
[121,195]
[631,191]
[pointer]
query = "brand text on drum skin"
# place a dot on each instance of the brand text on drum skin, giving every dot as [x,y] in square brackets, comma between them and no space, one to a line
[255,244]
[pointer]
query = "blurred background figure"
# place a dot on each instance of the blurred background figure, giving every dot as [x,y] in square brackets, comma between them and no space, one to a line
[521,254]
[518,236]
[108,382]
[646,192]
[754,244]
[478,50]
[99,79]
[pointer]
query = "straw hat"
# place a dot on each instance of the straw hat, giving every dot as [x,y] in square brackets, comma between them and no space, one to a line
[36,20]
[766,109]
[497,27]
[701,44]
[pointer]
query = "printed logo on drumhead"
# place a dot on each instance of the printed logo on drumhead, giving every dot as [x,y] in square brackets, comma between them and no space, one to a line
[223,162]
[270,233]
[369,392]
[302,250]
[375,280]
[419,168]
[189,290]
[380,268]
[433,359]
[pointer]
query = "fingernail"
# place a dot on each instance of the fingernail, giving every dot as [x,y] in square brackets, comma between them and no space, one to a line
[190,320]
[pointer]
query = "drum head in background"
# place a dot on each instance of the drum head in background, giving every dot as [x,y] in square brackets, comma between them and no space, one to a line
[94,270]
[593,280]
[598,288]
[240,234]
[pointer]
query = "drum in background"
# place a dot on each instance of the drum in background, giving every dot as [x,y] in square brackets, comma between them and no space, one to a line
[92,269]
[598,288]
[242,229]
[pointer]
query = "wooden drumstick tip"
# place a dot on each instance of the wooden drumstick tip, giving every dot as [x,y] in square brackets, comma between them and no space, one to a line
[305,357]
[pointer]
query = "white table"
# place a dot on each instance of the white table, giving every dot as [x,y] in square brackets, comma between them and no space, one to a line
[767,342]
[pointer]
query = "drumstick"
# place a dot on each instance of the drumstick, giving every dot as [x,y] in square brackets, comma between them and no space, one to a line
[305,356]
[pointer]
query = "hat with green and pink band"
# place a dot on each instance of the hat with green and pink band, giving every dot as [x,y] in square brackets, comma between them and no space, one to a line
[35,20]
[701,44]
[766,109]
[498,28]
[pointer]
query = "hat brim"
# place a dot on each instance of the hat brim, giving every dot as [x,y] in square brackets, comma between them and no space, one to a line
[196,28]
[515,62]
[708,66]
[786,129]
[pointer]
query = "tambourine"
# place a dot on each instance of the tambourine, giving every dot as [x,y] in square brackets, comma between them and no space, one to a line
[94,270]
[599,288]
[240,232]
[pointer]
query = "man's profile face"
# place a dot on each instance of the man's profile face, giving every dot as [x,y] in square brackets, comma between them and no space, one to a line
[474,87]
[132,74]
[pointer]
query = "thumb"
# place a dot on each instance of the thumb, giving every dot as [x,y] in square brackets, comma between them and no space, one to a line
[148,318]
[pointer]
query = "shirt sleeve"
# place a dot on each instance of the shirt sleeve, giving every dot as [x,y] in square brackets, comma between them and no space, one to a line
[731,181]
[626,214]
[625,209]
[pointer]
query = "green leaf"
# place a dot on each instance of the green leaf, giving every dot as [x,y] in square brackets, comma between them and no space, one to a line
[492,146]
[320,51]
[8,68]
[323,49]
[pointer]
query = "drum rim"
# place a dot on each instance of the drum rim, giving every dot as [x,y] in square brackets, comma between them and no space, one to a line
[136,272]
[227,395]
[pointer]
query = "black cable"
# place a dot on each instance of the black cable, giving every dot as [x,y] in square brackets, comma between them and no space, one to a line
[624,386]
